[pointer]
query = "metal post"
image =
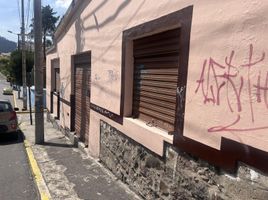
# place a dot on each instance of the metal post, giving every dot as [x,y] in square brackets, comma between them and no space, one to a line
[29,83]
[18,41]
[19,50]
[19,92]
[23,54]
[38,70]
[30,105]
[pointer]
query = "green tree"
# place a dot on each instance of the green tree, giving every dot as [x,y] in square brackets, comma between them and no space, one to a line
[4,66]
[49,21]
[15,65]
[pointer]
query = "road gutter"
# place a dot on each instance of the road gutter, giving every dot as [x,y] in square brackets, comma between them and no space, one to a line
[39,180]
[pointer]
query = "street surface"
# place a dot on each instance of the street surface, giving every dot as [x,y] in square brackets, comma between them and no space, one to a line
[15,176]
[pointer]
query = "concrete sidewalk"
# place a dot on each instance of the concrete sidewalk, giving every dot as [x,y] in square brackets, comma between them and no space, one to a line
[69,173]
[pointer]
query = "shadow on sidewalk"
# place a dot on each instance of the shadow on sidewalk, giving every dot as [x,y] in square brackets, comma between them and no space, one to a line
[49,143]
[53,144]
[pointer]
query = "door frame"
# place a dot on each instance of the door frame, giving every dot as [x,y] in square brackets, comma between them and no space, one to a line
[74,62]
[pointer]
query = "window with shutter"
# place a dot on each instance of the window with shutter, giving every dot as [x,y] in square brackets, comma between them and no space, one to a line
[55,75]
[156,63]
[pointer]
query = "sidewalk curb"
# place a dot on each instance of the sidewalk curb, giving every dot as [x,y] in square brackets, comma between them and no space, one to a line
[37,175]
[14,100]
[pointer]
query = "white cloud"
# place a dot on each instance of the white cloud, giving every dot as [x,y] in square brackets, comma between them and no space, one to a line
[63,3]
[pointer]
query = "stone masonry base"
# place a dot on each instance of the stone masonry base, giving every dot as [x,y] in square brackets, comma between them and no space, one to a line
[177,175]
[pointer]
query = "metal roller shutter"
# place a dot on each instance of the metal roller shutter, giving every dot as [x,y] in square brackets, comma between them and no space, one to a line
[82,96]
[57,79]
[156,62]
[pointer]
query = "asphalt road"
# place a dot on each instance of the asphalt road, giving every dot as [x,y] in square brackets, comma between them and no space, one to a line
[16,182]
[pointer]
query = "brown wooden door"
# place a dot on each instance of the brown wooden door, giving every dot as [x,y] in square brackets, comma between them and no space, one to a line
[82,96]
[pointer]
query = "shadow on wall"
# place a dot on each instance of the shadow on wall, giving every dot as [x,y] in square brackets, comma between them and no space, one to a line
[104,90]
[109,18]
[79,35]
[119,32]
[67,81]
[73,19]
[80,28]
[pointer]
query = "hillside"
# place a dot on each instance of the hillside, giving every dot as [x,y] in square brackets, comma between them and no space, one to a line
[7,46]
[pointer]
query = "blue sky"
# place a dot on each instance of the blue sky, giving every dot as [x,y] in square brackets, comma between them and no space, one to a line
[10,15]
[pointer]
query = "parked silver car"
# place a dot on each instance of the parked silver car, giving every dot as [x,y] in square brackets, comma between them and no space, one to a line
[8,118]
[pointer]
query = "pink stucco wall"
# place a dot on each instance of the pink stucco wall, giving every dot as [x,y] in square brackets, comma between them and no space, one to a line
[228,63]
[224,33]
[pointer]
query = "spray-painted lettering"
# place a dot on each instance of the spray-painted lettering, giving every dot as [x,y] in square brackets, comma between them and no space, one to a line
[226,82]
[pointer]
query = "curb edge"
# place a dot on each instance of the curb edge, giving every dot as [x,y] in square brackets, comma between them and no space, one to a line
[37,175]
[14,100]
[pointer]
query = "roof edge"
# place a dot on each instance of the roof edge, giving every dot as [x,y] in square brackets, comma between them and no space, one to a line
[66,18]
[64,22]
[51,49]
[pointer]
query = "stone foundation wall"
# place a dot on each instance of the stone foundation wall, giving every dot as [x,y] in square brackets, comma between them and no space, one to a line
[51,118]
[177,175]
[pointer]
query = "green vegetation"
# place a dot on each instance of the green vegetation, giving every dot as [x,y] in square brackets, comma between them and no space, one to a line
[4,66]
[49,21]
[12,67]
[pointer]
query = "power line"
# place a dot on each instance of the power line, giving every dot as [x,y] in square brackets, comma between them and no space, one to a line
[18,4]
[27,19]
[31,18]
[23,55]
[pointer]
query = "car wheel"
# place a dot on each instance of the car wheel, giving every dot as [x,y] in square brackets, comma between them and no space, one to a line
[15,135]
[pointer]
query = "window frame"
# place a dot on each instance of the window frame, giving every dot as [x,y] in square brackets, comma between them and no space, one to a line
[167,51]
[55,66]
[180,19]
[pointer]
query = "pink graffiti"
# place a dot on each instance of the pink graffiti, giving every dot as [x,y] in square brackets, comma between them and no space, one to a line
[216,78]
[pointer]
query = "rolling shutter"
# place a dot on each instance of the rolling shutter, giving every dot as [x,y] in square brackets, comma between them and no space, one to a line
[156,62]
[57,79]
[82,63]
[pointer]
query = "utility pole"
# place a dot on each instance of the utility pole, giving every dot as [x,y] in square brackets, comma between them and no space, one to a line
[38,72]
[23,56]
[18,41]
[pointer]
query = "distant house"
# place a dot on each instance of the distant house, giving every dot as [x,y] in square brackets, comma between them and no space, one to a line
[166,94]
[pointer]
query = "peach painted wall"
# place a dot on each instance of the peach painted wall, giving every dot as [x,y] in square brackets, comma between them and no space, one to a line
[48,78]
[218,29]
[226,102]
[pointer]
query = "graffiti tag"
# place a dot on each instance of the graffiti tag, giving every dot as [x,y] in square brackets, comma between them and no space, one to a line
[226,82]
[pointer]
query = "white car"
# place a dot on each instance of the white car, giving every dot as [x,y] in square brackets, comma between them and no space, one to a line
[7,91]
